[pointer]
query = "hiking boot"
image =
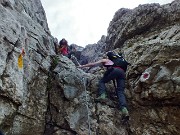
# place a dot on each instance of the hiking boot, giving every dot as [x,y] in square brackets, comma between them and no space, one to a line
[104,100]
[102,96]
[125,113]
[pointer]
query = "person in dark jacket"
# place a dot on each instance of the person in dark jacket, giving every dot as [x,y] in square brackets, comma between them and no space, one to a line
[112,73]
[72,54]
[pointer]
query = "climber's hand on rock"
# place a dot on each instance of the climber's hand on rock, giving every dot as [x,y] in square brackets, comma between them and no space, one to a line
[80,66]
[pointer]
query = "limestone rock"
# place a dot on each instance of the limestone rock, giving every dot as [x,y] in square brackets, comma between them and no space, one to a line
[50,95]
[23,25]
[93,52]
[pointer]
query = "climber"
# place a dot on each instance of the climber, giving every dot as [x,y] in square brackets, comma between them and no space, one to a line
[63,47]
[72,54]
[114,71]
[72,51]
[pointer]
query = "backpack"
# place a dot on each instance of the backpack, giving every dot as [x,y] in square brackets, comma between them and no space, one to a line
[118,60]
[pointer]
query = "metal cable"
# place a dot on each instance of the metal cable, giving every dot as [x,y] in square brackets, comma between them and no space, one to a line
[89,124]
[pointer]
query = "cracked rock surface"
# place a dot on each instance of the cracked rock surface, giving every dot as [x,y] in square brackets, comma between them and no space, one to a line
[50,96]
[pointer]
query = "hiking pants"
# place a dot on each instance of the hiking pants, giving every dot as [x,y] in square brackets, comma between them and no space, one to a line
[119,75]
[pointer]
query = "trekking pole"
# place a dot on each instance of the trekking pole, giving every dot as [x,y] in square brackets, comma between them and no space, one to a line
[89,124]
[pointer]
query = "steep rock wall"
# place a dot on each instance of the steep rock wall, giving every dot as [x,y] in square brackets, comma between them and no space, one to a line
[93,52]
[142,21]
[72,109]
[23,98]
[49,95]
[153,102]
[149,38]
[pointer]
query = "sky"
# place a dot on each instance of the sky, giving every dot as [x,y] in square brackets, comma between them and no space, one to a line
[83,22]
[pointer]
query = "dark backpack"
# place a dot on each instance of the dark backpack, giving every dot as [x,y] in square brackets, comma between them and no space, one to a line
[118,60]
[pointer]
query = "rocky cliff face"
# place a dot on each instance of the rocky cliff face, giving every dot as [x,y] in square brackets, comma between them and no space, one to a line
[149,38]
[23,98]
[49,95]
[141,22]
[93,52]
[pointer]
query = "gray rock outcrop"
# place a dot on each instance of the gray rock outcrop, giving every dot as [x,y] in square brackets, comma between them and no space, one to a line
[94,52]
[149,38]
[23,98]
[142,21]
[50,96]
